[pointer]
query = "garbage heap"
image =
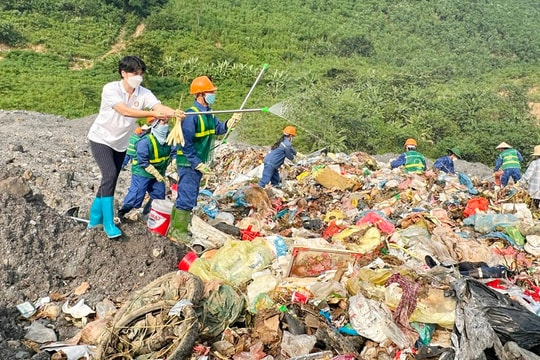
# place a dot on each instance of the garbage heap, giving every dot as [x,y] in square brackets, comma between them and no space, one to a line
[348,259]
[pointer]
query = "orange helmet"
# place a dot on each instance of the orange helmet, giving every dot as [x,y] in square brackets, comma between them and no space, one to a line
[201,84]
[410,142]
[150,120]
[289,130]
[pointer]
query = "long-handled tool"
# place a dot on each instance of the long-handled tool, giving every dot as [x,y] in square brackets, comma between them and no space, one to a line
[265,66]
[276,109]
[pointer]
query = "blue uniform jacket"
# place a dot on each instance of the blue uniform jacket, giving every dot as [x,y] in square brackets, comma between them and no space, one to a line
[189,127]
[276,157]
[143,153]
[444,163]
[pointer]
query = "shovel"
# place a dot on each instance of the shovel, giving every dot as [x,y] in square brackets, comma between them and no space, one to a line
[72,214]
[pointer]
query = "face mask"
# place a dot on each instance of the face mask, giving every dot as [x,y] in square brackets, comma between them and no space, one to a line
[210,98]
[134,81]
[160,132]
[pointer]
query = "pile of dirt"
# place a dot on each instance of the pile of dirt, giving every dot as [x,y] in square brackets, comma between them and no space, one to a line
[47,168]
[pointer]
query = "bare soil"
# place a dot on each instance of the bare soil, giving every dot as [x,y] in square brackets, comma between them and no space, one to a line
[46,168]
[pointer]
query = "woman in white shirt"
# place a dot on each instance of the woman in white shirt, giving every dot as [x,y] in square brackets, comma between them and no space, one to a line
[122,103]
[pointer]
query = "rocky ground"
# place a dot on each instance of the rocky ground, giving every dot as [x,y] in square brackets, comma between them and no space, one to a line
[46,168]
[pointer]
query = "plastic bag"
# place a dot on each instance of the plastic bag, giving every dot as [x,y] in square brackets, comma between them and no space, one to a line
[487,319]
[373,320]
[475,204]
[466,180]
[374,218]
[514,233]
[434,308]
[235,262]
[296,345]
[485,223]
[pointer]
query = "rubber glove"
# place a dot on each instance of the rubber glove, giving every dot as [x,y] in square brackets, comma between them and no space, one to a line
[202,167]
[154,172]
[173,167]
[233,121]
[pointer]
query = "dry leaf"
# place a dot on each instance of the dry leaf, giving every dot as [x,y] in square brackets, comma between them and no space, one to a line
[81,289]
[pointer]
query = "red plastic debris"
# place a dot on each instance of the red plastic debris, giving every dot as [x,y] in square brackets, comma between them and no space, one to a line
[247,234]
[475,204]
[375,219]
[331,230]
[496,284]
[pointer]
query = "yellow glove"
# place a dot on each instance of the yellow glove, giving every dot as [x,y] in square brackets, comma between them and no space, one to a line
[176,136]
[202,167]
[153,171]
[233,121]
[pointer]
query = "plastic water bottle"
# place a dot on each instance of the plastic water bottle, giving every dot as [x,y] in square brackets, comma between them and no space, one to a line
[281,246]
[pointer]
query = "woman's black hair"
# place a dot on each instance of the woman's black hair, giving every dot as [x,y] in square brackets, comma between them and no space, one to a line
[131,64]
[276,145]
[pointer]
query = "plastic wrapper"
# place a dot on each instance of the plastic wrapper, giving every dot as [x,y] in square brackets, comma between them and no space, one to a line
[296,345]
[373,320]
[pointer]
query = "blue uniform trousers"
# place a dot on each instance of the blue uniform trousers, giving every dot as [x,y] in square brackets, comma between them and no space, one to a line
[188,188]
[140,185]
[270,175]
[513,173]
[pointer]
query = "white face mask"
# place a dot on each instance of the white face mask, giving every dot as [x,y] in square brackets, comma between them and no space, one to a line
[134,81]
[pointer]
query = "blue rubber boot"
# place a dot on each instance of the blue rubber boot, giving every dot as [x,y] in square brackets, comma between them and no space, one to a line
[107,208]
[96,216]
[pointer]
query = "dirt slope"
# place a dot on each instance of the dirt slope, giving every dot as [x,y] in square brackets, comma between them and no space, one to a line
[46,168]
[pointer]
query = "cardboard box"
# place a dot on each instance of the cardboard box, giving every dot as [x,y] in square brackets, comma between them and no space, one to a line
[312,262]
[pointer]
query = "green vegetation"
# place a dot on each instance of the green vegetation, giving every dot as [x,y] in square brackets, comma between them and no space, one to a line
[355,76]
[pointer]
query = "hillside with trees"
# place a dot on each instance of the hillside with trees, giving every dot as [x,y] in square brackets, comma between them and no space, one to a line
[355,76]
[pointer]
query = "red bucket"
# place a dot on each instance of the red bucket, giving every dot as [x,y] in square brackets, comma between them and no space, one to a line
[187,260]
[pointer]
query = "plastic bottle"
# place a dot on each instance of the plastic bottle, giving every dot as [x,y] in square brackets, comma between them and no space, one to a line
[281,246]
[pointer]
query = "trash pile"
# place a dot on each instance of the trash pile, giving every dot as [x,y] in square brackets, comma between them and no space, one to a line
[348,259]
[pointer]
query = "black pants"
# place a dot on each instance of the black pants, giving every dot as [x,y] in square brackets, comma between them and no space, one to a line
[109,162]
